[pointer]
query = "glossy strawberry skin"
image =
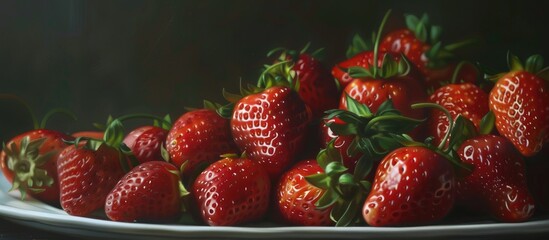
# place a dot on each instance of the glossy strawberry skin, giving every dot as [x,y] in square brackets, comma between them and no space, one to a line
[413,185]
[404,91]
[404,41]
[199,136]
[497,183]
[270,127]
[464,99]
[53,142]
[296,198]
[232,191]
[363,59]
[145,143]
[86,177]
[148,193]
[520,102]
[317,88]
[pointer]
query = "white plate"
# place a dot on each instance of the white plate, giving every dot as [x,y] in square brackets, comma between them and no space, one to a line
[38,215]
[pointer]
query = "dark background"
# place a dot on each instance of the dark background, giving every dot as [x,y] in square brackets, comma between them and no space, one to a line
[115,57]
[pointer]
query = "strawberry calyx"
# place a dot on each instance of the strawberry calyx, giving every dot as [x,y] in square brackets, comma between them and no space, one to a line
[389,66]
[439,55]
[422,29]
[358,45]
[373,139]
[293,55]
[344,192]
[388,69]
[278,74]
[487,123]
[534,64]
[25,162]
[114,134]
[371,130]
[430,35]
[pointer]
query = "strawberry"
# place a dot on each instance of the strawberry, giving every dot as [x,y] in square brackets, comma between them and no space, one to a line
[28,161]
[317,88]
[360,133]
[232,191]
[270,126]
[394,79]
[87,173]
[413,185]
[146,142]
[465,99]
[363,59]
[374,90]
[421,45]
[296,197]
[199,137]
[520,102]
[497,184]
[150,192]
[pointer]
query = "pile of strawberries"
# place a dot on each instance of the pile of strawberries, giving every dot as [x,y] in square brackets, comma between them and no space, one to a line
[405,134]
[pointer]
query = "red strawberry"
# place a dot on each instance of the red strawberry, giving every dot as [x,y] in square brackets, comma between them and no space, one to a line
[199,136]
[361,139]
[86,176]
[360,133]
[520,102]
[150,192]
[270,126]
[363,59]
[296,197]
[232,191]
[497,184]
[392,78]
[146,142]
[317,88]
[420,44]
[28,161]
[464,99]
[413,185]
[373,91]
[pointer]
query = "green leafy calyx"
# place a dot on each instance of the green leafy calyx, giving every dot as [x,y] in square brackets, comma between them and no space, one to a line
[26,163]
[372,139]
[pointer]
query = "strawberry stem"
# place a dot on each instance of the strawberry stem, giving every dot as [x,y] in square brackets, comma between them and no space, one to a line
[448,115]
[376,43]
[458,68]
[54,111]
[265,82]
